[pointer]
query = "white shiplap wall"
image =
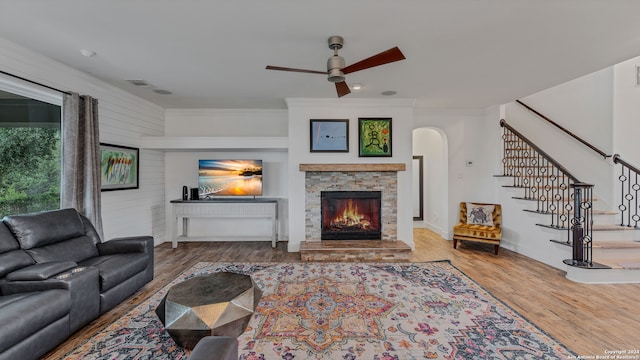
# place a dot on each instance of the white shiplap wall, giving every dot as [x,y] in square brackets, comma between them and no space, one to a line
[124,119]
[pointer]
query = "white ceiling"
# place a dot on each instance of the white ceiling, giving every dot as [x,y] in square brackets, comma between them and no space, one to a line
[213,53]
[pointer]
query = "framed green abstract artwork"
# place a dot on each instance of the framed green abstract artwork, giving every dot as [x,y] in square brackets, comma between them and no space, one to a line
[374,135]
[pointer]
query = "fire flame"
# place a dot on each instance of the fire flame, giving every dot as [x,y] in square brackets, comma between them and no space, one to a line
[351,217]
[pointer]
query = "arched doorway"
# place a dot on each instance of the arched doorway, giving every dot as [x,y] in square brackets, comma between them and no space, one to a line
[431,145]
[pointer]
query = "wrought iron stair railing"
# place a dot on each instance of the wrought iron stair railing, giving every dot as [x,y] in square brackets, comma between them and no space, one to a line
[630,190]
[629,176]
[555,190]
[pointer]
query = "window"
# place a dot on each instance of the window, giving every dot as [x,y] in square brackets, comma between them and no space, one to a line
[29,154]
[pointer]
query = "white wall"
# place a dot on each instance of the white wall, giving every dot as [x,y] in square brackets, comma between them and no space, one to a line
[123,118]
[226,122]
[626,110]
[471,135]
[583,106]
[302,110]
[182,166]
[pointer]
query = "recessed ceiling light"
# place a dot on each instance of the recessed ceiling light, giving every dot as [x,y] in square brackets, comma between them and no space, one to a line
[389,92]
[356,87]
[162,92]
[87,53]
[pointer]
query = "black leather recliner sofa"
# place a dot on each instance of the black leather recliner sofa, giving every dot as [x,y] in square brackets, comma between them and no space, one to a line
[56,276]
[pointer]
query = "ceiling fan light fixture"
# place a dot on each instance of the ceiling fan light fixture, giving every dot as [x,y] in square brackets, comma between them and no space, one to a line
[335,65]
[87,53]
[334,68]
[336,75]
[335,62]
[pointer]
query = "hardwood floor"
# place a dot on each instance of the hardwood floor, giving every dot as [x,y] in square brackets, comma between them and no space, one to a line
[589,319]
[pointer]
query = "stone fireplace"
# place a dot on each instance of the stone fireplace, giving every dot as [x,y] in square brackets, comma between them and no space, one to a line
[350,215]
[353,179]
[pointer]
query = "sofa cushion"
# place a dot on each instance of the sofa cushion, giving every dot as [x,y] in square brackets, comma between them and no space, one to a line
[74,249]
[477,231]
[7,241]
[44,228]
[115,269]
[480,214]
[14,260]
[29,312]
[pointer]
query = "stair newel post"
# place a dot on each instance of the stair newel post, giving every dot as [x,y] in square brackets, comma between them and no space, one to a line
[581,227]
[588,216]
[577,228]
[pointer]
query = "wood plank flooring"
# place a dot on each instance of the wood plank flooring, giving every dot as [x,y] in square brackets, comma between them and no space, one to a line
[589,319]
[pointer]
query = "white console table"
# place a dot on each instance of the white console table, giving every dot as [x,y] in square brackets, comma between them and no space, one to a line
[224,208]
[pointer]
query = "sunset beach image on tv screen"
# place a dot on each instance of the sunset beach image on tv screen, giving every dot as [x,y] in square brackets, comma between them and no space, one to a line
[229,178]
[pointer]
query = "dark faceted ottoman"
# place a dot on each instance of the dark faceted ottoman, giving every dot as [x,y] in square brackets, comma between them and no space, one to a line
[218,304]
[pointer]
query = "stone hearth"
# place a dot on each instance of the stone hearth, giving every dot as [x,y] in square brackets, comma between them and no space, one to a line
[355,250]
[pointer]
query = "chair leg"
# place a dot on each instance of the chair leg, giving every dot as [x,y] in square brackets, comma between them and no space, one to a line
[455,243]
[495,248]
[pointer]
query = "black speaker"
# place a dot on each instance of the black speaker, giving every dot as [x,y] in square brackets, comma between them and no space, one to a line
[194,194]
[185,193]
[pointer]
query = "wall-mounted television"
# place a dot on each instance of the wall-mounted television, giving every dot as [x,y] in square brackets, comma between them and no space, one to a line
[229,178]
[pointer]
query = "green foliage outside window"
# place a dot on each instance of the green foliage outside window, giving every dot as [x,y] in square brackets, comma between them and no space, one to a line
[29,169]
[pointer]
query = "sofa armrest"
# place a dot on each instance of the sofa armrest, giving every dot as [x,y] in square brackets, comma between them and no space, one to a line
[62,280]
[126,245]
[81,282]
[41,271]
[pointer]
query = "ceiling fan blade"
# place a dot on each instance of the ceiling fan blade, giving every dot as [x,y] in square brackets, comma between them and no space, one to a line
[342,88]
[269,67]
[385,57]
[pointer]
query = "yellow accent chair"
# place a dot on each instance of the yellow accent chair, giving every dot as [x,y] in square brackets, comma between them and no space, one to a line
[477,225]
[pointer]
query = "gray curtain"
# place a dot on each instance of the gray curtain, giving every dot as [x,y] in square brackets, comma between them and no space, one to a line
[81,158]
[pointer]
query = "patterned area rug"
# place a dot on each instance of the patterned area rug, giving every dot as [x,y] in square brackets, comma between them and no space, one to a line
[348,311]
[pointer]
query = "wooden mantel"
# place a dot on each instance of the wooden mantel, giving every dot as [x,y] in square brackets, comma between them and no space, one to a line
[353,167]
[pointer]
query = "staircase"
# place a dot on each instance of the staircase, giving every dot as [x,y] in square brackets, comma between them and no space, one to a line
[599,245]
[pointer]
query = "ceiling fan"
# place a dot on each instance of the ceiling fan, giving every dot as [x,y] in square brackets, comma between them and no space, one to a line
[335,65]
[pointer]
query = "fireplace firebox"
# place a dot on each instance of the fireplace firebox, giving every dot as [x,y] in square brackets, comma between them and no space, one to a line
[351,215]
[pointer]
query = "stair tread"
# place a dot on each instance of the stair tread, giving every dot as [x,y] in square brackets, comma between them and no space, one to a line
[616,244]
[621,264]
[607,227]
[529,186]
[594,212]
[601,212]
[534,199]
[595,227]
